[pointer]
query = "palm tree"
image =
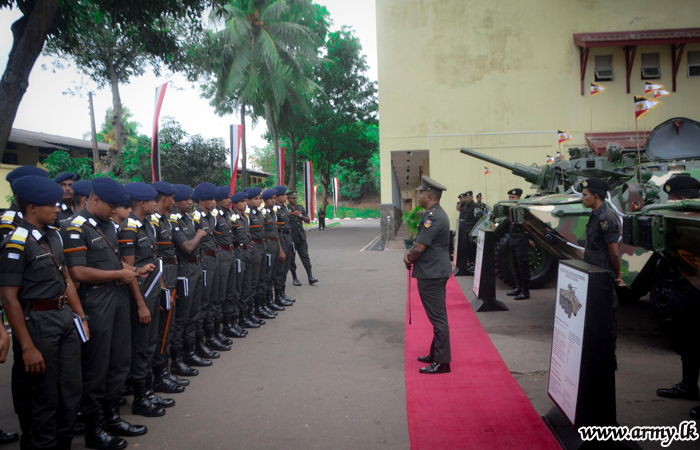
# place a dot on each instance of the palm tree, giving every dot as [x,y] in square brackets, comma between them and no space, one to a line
[266,44]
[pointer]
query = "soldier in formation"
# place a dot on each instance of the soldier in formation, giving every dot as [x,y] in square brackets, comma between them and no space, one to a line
[467,217]
[136,292]
[521,255]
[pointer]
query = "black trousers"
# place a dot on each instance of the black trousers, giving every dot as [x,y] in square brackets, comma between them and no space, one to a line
[47,404]
[258,266]
[432,294]
[283,267]
[144,336]
[302,248]
[210,288]
[247,287]
[106,357]
[170,281]
[273,249]
[226,279]
[234,304]
[521,258]
[187,306]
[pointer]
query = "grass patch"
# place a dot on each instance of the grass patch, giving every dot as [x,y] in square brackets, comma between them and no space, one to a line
[353,213]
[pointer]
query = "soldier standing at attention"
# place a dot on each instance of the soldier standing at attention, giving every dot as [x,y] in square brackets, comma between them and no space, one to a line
[274,252]
[430,258]
[93,259]
[602,236]
[258,253]
[285,233]
[65,204]
[297,218]
[227,259]
[466,213]
[35,288]
[189,295]
[520,254]
[321,218]
[81,193]
[235,309]
[241,229]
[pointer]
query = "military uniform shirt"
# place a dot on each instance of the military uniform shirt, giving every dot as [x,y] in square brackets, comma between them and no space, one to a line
[256,221]
[297,224]
[164,238]
[86,246]
[222,232]
[10,220]
[241,228]
[434,233]
[138,239]
[602,229]
[466,213]
[282,218]
[64,213]
[270,222]
[206,222]
[183,231]
[25,264]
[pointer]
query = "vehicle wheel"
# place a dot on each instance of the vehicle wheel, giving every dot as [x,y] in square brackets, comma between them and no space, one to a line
[543,266]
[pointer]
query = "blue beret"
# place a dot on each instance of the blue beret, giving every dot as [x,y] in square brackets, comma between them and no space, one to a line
[61,177]
[253,192]
[37,190]
[205,191]
[164,188]
[25,171]
[239,196]
[109,190]
[82,187]
[141,191]
[195,197]
[281,190]
[269,193]
[183,192]
[224,192]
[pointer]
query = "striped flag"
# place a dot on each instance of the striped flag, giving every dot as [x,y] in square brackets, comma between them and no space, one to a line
[236,132]
[661,93]
[651,87]
[563,136]
[336,193]
[597,89]
[550,159]
[309,189]
[487,170]
[560,155]
[643,105]
[155,149]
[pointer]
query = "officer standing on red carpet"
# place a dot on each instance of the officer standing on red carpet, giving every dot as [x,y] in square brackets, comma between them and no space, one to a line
[430,258]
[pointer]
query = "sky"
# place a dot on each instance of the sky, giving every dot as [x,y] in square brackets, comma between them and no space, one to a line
[47,108]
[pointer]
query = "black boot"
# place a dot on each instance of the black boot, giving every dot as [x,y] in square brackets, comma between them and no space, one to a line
[230,328]
[178,366]
[97,437]
[260,311]
[524,293]
[191,358]
[202,350]
[8,437]
[235,323]
[295,281]
[164,384]
[282,301]
[255,319]
[142,406]
[115,425]
[275,306]
[215,344]
[515,291]
[287,298]
[312,280]
[246,322]
[79,428]
[128,388]
[171,376]
[155,398]
[267,308]
[219,335]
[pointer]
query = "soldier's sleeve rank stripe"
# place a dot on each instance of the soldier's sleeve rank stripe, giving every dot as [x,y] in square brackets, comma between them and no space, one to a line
[17,246]
[7,225]
[135,230]
[74,229]
[76,249]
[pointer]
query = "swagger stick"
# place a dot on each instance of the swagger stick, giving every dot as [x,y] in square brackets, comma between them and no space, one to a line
[409,296]
[167,325]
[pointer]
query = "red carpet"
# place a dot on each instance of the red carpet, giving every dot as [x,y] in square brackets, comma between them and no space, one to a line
[479,405]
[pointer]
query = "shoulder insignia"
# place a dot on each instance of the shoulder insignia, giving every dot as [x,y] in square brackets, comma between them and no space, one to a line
[276,208]
[132,223]
[154,221]
[79,230]
[604,225]
[36,234]
[17,246]
[173,218]
[157,216]
[93,222]
[64,207]
[19,236]
[428,222]
[215,212]
[196,216]
[247,210]
[8,216]
[78,221]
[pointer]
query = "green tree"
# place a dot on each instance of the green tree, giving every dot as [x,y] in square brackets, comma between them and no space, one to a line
[61,161]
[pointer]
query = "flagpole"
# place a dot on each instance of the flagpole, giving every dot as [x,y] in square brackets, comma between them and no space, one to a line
[562,168]
[639,153]
[486,185]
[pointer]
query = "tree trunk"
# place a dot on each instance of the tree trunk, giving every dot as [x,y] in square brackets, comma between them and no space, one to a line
[292,185]
[29,34]
[93,130]
[325,182]
[244,157]
[272,127]
[110,160]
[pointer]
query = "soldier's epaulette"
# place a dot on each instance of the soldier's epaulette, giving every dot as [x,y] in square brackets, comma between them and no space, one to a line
[78,221]
[18,238]
[131,225]
[173,218]
[7,217]
[196,216]
[215,212]
[154,221]
[276,208]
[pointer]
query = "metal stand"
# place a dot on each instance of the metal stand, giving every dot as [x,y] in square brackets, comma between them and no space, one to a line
[485,274]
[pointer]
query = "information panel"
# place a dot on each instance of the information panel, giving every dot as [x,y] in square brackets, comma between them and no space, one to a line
[479,261]
[567,339]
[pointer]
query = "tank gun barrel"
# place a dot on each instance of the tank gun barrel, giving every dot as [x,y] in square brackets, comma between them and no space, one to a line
[532,174]
[671,206]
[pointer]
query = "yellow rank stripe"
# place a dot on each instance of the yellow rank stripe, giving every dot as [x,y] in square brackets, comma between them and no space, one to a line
[21,247]
[79,230]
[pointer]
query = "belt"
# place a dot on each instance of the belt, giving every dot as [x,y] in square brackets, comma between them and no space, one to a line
[288,232]
[189,259]
[209,252]
[170,261]
[100,285]
[47,305]
[243,246]
[273,239]
[258,241]
[226,247]
[246,246]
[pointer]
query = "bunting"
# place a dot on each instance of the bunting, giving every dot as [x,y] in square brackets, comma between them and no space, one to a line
[235,133]
[651,87]
[643,105]
[661,93]
[563,136]
[155,149]
[487,170]
[560,155]
[309,189]
[550,159]
[597,89]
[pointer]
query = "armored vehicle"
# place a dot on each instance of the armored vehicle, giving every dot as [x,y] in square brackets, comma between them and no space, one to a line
[568,301]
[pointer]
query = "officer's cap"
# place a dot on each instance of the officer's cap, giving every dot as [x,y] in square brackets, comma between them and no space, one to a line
[254,192]
[205,191]
[61,177]
[682,185]
[460,196]
[246,189]
[110,191]
[183,192]
[141,191]
[82,187]
[479,194]
[164,188]
[516,191]
[468,194]
[25,171]
[224,192]
[269,193]
[596,184]
[428,184]
[37,190]
[281,190]
[238,197]
[292,194]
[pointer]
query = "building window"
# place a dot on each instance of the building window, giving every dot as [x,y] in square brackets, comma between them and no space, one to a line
[604,68]
[650,66]
[693,64]
[9,158]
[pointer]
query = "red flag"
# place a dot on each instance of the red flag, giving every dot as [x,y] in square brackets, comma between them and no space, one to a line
[155,150]
[643,105]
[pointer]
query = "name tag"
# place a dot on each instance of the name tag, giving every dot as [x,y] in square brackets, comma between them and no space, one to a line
[97,239]
[142,239]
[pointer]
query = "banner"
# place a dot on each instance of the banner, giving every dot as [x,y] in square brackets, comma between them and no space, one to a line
[336,193]
[309,189]
[487,170]
[155,150]
[643,105]
[651,87]
[597,89]
[235,131]
[563,136]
